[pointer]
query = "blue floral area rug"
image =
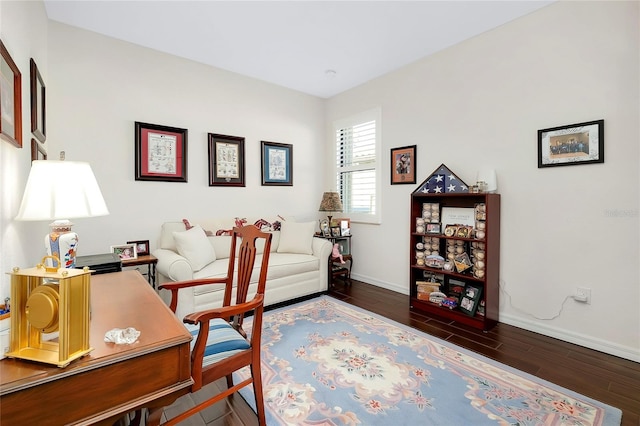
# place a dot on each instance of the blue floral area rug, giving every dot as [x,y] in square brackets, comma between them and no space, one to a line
[328,363]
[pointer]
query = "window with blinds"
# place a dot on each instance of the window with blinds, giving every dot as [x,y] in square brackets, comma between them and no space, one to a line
[357,166]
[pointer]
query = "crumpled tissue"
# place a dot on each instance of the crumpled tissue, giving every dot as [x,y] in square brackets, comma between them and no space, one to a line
[121,336]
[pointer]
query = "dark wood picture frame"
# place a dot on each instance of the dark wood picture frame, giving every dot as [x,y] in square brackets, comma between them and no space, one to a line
[470,298]
[38,103]
[10,99]
[403,165]
[574,144]
[226,160]
[37,151]
[141,246]
[160,153]
[276,164]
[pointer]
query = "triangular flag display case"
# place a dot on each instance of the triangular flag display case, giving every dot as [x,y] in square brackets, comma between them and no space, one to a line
[454,251]
[442,181]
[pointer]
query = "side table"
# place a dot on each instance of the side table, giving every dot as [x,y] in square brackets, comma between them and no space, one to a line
[341,270]
[337,269]
[148,260]
[100,263]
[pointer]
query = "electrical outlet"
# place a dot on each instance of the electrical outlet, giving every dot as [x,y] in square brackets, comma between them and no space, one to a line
[583,295]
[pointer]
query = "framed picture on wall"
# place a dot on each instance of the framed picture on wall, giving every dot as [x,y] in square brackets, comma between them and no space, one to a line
[580,143]
[403,165]
[226,160]
[11,98]
[277,164]
[37,151]
[38,105]
[161,153]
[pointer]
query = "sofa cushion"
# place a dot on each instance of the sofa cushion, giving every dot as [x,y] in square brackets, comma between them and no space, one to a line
[195,247]
[296,237]
[280,265]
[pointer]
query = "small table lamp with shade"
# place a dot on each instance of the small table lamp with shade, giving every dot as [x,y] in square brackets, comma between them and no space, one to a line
[54,299]
[330,203]
[59,191]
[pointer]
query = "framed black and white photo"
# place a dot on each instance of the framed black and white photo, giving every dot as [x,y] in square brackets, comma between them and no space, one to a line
[580,143]
[226,160]
[277,164]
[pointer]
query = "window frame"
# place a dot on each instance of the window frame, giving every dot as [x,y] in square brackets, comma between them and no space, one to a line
[375,115]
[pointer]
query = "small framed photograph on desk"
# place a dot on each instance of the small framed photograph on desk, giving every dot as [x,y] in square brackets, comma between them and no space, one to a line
[125,251]
[142,247]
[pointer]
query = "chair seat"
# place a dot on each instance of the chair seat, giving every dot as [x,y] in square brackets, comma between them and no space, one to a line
[222,342]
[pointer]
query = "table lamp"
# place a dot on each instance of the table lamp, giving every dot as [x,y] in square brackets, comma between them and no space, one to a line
[59,191]
[488,177]
[330,203]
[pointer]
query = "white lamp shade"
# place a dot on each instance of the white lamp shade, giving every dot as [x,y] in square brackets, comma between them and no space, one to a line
[61,190]
[489,177]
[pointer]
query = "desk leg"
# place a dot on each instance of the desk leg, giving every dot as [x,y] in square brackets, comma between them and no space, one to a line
[152,274]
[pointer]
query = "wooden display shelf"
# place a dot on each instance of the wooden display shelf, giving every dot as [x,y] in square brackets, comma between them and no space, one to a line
[488,284]
[476,321]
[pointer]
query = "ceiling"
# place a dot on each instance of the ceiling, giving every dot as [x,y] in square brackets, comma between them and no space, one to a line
[317,47]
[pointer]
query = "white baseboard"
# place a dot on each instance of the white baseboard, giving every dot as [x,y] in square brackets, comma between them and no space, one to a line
[607,347]
[610,348]
[385,285]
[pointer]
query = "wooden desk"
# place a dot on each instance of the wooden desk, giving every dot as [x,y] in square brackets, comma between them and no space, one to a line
[112,379]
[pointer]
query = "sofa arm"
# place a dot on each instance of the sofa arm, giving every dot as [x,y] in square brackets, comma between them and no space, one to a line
[172,265]
[322,249]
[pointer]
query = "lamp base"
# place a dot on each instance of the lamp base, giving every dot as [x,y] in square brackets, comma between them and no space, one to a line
[63,243]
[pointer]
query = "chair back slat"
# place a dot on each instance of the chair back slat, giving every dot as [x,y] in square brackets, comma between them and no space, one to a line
[246,259]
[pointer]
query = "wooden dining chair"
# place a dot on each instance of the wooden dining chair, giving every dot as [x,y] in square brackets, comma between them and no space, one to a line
[222,346]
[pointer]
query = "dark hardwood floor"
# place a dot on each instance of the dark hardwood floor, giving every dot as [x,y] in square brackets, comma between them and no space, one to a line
[609,379]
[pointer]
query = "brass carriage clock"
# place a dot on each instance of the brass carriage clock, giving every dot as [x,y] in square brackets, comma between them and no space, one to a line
[50,314]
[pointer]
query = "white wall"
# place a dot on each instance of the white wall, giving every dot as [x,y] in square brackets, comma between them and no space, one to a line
[479,104]
[476,104]
[100,86]
[23,30]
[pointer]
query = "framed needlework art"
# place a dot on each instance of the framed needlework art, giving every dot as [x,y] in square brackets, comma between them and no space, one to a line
[226,160]
[161,153]
[277,164]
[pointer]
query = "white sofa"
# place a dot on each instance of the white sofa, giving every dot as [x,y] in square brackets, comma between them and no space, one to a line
[298,262]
